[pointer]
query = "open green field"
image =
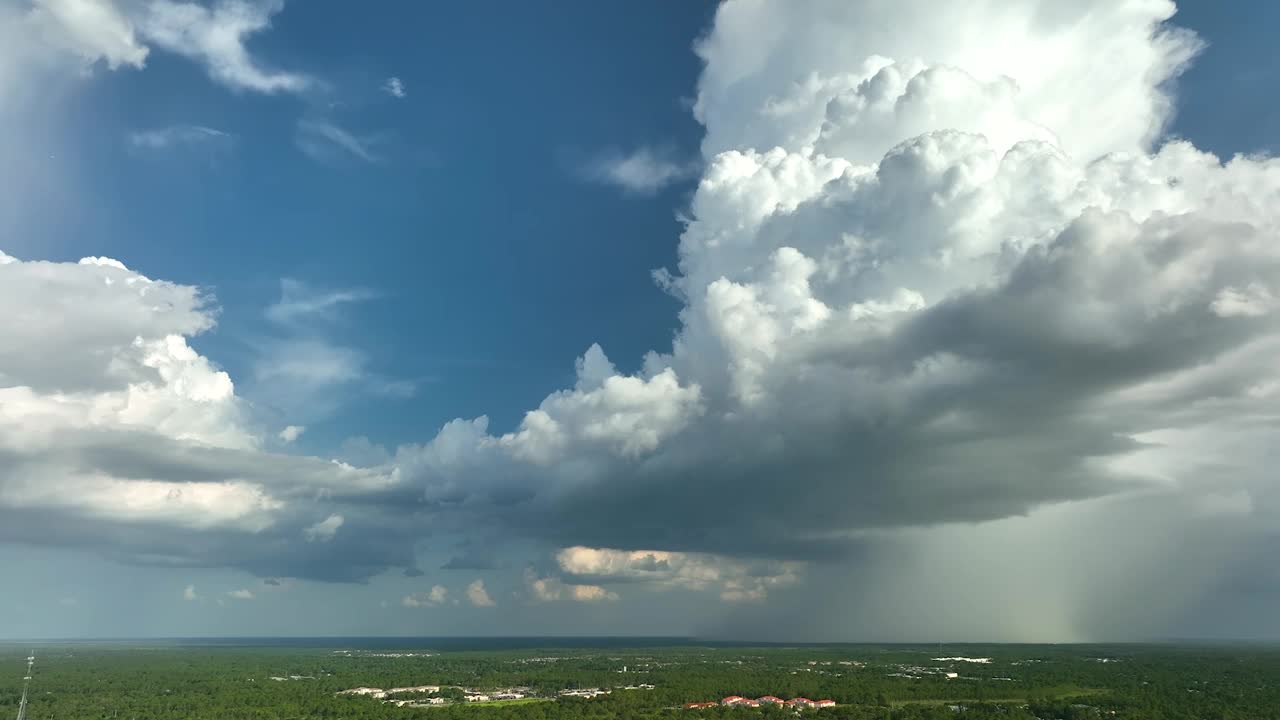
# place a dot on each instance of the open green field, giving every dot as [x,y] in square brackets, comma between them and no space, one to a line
[510,703]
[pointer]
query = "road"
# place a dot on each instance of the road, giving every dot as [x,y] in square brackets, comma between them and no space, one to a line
[26,686]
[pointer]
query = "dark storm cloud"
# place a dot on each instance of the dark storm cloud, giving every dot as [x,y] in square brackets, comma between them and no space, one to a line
[355,554]
[472,559]
[478,552]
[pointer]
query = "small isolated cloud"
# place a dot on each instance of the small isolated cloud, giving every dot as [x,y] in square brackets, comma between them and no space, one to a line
[434,598]
[395,88]
[291,433]
[189,594]
[324,530]
[478,596]
[643,171]
[325,141]
[179,135]
[241,594]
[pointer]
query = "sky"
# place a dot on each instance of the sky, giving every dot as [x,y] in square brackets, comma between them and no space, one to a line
[761,320]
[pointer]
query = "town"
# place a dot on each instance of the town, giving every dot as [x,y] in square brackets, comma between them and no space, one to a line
[799,703]
[439,695]
[434,695]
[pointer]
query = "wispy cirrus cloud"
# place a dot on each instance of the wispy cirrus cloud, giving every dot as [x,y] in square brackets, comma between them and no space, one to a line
[179,135]
[306,371]
[325,141]
[300,302]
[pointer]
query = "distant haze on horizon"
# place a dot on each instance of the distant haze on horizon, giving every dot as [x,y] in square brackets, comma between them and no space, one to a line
[822,321]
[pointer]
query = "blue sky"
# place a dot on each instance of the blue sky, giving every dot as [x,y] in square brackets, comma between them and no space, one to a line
[865,347]
[474,225]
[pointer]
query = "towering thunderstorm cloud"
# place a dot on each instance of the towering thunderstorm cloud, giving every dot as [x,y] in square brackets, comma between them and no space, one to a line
[965,342]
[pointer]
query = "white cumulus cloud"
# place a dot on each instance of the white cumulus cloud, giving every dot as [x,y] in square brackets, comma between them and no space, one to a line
[112,420]
[122,33]
[435,597]
[478,596]
[215,36]
[920,290]
[736,580]
[551,589]
[93,29]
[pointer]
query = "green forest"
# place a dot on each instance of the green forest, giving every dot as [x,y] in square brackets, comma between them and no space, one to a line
[167,681]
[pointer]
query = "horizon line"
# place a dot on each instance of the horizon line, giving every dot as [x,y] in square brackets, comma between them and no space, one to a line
[674,638]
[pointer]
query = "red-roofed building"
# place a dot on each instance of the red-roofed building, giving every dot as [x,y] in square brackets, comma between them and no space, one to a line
[801,702]
[825,703]
[733,700]
[698,705]
[771,700]
[750,703]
